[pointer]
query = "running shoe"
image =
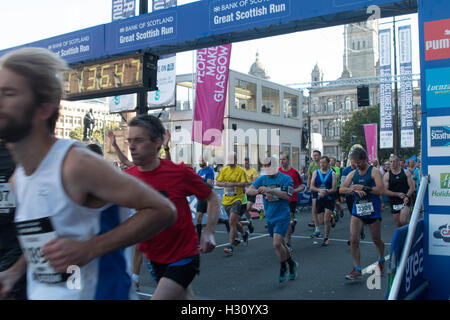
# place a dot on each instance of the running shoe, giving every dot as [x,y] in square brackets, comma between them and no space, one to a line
[293,271]
[228,250]
[354,275]
[282,277]
[293,223]
[336,217]
[245,238]
[325,242]
[316,234]
[237,242]
[250,227]
[311,224]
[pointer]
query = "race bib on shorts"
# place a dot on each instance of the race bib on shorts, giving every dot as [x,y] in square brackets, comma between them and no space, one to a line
[398,207]
[364,208]
[33,235]
[7,198]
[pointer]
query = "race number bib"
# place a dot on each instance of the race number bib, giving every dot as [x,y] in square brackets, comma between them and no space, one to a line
[230,191]
[7,198]
[398,207]
[364,208]
[33,235]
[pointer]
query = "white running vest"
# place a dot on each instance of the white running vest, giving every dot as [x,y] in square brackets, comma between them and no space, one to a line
[44,211]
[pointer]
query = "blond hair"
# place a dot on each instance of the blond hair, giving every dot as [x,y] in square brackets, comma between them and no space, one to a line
[42,70]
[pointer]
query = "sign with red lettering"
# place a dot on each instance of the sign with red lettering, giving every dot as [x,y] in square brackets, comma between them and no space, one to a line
[437,39]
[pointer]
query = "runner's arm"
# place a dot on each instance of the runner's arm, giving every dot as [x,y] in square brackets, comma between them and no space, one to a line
[345,185]
[9,277]
[119,152]
[334,185]
[411,184]
[312,185]
[207,240]
[379,185]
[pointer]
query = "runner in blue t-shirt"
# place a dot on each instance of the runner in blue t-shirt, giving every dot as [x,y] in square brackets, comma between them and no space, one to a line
[276,189]
[207,174]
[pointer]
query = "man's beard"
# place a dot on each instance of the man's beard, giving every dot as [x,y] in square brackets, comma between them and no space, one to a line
[17,130]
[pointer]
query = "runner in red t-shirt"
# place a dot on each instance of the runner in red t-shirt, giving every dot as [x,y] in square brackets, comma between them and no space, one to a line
[298,187]
[173,253]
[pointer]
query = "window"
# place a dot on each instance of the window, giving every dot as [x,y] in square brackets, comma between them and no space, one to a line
[184,96]
[245,95]
[348,104]
[290,105]
[330,105]
[330,130]
[270,101]
[295,158]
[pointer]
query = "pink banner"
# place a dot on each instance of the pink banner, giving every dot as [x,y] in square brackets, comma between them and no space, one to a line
[370,130]
[211,94]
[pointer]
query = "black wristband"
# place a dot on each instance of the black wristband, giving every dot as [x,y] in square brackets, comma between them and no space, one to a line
[367,189]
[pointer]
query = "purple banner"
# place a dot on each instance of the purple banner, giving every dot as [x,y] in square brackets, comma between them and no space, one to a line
[210,94]
[370,131]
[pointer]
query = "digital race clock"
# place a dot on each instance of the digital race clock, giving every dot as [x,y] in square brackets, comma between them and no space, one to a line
[110,77]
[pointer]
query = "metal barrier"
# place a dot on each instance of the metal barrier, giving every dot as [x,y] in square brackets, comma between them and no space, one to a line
[409,238]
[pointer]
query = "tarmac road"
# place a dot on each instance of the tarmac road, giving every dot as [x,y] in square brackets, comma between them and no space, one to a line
[251,273]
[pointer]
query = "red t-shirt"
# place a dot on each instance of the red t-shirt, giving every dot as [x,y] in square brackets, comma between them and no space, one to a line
[297,181]
[175,181]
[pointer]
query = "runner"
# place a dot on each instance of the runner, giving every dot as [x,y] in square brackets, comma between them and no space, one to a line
[233,179]
[252,174]
[207,175]
[298,187]
[276,188]
[314,166]
[399,187]
[415,174]
[10,250]
[173,253]
[62,187]
[366,186]
[337,211]
[324,183]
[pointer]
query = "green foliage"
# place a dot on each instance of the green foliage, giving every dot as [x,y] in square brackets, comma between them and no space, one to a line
[355,126]
[97,135]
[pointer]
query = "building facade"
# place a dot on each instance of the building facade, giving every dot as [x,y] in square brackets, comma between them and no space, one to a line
[261,118]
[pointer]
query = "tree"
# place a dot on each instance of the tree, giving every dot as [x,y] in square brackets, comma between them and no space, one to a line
[97,135]
[355,127]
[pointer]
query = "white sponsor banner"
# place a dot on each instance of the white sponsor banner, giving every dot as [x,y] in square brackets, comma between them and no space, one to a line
[126,102]
[166,82]
[439,187]
[406,90]
[439,234]
[386,129]
[166,77]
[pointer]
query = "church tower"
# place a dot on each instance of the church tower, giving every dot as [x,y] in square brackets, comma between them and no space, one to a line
[316,76]
[361,49]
